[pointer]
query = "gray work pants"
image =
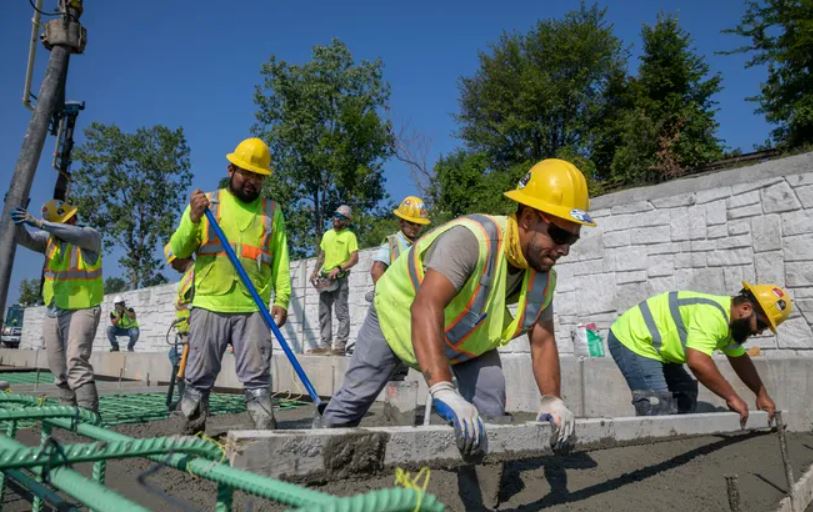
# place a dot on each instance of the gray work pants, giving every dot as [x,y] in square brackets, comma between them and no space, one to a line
[337,298]
[68,342]
[210,333]
[481,380]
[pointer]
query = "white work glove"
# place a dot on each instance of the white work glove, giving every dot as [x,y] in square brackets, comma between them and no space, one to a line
[469,430]
[21,216]
[554,410]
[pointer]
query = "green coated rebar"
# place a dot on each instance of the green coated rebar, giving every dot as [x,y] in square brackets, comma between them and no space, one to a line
[50,411]
[79,487]
[382,500]
[42,491]
[28,457]
[225,495]
[99,468]
[27,377]
[11,432]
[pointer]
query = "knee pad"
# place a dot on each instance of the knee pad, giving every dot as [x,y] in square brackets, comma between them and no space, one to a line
[653,403]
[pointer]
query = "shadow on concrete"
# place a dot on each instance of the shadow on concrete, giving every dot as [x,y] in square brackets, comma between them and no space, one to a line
[778,488]
[556,465]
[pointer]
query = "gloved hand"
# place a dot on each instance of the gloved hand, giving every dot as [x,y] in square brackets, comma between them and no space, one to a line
[553,409]
[469,430]
[21,216]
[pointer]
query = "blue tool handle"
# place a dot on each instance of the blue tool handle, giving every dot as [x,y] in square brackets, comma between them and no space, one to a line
[269,321]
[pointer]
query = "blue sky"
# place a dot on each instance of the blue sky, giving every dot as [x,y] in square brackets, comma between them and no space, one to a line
[195,64]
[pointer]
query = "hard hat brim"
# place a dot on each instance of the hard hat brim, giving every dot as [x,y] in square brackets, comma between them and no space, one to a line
[256,169]
[414,220]
[68,214]
[771,322]
[562,212]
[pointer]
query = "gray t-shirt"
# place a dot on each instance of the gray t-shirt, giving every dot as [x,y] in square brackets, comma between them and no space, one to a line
[455,253]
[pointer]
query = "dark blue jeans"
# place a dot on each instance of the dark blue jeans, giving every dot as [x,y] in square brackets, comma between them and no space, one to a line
[657,388]
[113,332]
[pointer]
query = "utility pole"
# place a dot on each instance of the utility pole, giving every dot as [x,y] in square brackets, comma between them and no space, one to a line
[63,36]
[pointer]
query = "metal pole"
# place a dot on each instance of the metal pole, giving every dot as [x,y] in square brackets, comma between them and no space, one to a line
[783,449]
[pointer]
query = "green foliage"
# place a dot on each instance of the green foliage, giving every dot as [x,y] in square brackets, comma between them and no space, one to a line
[466,183]
[670,129]
[323,122]
[114,285]
[30,292]
[781,34]
[536,93]
[132,187]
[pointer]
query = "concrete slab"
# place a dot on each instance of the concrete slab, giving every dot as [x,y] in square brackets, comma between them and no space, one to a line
[337,453]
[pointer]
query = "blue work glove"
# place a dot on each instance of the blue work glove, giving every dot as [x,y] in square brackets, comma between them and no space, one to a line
[563,421]
[21,216]
[469,430]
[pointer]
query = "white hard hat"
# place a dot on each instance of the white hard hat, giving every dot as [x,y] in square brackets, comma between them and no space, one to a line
[118,299]
[345,211]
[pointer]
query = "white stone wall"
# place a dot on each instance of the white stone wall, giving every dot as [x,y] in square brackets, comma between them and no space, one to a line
[705,233]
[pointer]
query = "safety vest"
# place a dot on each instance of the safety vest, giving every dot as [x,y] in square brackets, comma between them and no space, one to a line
[665,325]
[124,321]
[71,282]
[397,243]
[249,229]
[186,292]
[477,319]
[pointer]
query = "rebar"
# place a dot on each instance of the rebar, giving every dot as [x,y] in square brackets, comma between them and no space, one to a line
[383,500]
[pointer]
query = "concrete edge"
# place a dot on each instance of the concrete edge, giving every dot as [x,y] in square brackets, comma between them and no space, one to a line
[803,492]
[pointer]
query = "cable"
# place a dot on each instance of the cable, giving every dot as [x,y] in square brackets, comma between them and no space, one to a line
[56,13]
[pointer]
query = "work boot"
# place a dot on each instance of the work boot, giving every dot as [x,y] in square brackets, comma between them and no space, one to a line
[65,395]
[318,351]
[114,348]
[195,408]
[260,408]
[338,351]
[87,397]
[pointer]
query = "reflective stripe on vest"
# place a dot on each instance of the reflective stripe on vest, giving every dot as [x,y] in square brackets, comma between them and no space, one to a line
[534,299]
[468,320]
[674,310]
[395,247]
[262,254]
[73,272]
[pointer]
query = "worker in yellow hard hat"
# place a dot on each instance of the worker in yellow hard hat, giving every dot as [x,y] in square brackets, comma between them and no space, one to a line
[223,311]
[652,341]
[442,309]
[412,218]
[72,292]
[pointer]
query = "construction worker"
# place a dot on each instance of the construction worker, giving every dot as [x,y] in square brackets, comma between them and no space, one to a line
[122,323]
[183,301]
[442,308]
[223,311]
[338,253]
[652,341]
[72,292]
[412,217]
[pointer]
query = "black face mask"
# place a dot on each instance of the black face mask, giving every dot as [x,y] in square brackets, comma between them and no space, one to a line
[246,198]
[741,329]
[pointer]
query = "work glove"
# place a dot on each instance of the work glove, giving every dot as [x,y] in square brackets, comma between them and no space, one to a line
[470,433]
[21,216]
[563,421]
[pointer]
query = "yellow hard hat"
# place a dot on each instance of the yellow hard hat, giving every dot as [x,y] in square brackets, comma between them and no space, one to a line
[252,155]
[412,210]
[556,187]
[774,301]
[57,210]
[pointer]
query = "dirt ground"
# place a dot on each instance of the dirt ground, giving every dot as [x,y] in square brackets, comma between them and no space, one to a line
[683,474]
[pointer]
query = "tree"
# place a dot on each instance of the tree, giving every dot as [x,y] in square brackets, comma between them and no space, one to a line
[537,93]
[114,285]
[323,122]
[132,186]
[781,34]
[671,128]
[30,292]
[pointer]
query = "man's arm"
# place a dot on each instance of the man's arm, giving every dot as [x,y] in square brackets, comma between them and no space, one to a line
[354,259]
[747,372]
[317,265]
[131,314]
[187,237]
[707,373]
[114,319]
[434,294]
[545,358]
[36,241]
[377,270]
[84,237]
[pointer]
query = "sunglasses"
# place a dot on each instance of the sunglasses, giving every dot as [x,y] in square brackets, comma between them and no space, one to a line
[559,236]
[340,216]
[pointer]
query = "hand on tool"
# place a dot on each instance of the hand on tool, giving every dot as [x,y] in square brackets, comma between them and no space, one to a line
[198,202]
[280,315]
[737,405]
[334,274]
[765,403]
[554,410]
[21,216]
[469,430]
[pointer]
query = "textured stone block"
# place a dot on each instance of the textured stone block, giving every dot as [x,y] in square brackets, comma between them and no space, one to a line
[697,227]
[805,195]
[798,248]
[636,207]
[730,257]
[766,233]
[627,295]
[779,198]
[796,223]
[660,265]
[745,211]
[596,293]
[684,260]
[770,267]
[712,194]
[715,212]
[755,185]
[650,235]
[709,280]
[794,333]
[635,276]
[714,232]
[590,246]
[734,242]
[739,227]
[703,245]
[630,260]
[663,284]
[799,274]
[679,224]
[745,199]
[616,239]
[673,201]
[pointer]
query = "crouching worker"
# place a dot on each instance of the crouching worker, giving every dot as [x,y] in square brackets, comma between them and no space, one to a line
[442,308]
[223,310]
[72,291]
[652,341]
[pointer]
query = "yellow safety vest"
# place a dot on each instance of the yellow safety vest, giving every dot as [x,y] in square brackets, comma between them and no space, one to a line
[71,282]
[250,233]
[477,319]
[124,321]
[186,292]
[397,244]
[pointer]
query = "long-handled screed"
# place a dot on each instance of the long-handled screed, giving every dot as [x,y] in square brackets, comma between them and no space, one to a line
[269,320]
